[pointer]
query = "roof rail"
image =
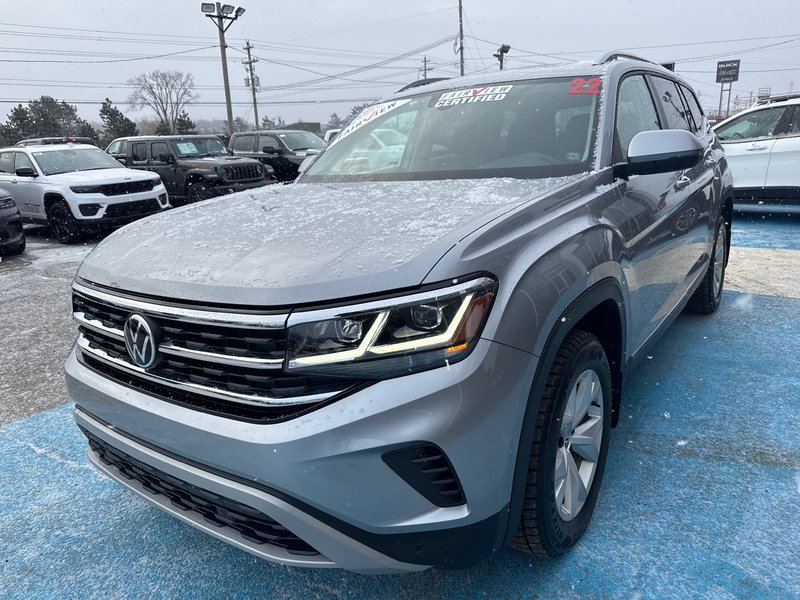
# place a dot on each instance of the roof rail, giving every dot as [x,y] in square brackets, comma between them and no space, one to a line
[420,82]
[776,98]
[615,54]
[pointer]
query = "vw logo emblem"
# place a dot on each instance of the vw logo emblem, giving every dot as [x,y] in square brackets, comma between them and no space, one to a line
[141,341]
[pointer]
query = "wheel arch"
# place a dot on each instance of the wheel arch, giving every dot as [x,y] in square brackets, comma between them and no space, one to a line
[600,310]
[51,198]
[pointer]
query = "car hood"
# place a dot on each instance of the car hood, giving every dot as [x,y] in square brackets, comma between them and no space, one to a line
[209,162]
[303,243]
[100,176]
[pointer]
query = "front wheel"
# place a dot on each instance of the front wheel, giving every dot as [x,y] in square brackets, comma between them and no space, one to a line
[707,297]
[570,445]
[197,192]
[63,224]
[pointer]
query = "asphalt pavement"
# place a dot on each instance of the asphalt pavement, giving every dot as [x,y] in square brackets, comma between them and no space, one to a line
[701,496]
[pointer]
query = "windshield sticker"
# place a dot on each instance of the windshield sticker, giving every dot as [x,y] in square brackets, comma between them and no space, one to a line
[368,115]
[585,86]
[186,147]
[481,94]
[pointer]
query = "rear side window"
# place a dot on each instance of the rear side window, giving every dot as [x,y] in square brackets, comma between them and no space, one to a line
[794,129]
[694,107]
[635,113]
[671,100]
[139,152]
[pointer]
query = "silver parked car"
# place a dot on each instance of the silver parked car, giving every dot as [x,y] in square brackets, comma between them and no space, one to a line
[412,359]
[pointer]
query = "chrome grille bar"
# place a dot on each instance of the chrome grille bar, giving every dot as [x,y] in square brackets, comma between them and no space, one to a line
[186,386]
[193,315]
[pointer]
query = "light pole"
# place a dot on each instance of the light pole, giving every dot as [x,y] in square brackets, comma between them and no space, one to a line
[219,14]
[501,54]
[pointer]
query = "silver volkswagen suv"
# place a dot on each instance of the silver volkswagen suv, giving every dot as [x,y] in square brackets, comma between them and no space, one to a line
[414,355]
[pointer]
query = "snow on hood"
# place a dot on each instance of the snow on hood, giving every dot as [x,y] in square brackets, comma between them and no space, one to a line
[289,244]
[100,176]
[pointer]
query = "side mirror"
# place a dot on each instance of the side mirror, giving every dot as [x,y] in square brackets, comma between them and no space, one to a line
[271,150]
[25,172]
[165,158]
[660,151]
[122,158]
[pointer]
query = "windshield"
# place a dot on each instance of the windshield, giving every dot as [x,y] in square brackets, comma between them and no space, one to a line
[198,147]
[526,129]
[67,160]
[301,140]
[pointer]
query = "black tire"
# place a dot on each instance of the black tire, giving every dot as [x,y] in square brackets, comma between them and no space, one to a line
[547,528]
[18,249]
[197,192]
[62,223]
[706,298]
[12,250]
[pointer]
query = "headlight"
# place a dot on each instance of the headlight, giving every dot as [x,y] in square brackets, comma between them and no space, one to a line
[7,202]
[156,182]
[86,189]
[224,172]
[392,337]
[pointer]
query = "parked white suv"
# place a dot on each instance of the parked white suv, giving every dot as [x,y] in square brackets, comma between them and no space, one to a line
[77,188]
[762,145]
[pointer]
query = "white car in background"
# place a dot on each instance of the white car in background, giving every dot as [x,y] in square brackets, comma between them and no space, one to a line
[77,188]
[762,145]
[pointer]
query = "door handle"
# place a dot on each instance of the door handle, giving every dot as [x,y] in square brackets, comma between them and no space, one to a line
[757,147]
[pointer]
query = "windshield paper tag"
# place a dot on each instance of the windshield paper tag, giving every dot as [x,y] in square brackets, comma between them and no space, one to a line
[186,147]
[367,115]
[481,94]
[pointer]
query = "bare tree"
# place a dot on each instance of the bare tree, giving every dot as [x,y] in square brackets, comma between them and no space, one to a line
[166,92]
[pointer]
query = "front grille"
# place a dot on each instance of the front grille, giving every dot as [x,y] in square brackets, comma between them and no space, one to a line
[243,172]
[128,187]
[216,510]
[131,209]
[229,369]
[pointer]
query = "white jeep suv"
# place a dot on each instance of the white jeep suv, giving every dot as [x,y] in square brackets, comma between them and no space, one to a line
[77,188]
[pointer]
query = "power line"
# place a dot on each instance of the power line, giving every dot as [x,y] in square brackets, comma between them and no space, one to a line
[95,62]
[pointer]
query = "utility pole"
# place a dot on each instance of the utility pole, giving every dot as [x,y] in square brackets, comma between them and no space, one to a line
[424,67]
[251,72]
[219,14]
[461,35]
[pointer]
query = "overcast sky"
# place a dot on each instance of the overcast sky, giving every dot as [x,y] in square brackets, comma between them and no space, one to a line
[61,48]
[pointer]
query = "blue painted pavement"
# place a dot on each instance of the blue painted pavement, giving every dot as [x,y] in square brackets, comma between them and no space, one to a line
[773,230]
[701,497]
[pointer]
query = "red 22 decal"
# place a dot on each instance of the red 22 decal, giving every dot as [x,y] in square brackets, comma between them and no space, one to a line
[579,82]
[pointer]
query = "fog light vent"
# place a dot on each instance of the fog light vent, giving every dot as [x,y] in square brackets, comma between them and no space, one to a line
[426,468]
[89,210]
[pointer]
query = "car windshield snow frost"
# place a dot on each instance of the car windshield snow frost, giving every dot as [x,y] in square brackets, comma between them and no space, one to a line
[528,129]
[68,160]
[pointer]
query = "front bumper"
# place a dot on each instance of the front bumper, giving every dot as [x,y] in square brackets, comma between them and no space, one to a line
[322,475]
[11,232]
[104,211]
[223,188]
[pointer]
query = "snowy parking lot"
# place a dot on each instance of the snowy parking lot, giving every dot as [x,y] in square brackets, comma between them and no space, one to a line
[700,497]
